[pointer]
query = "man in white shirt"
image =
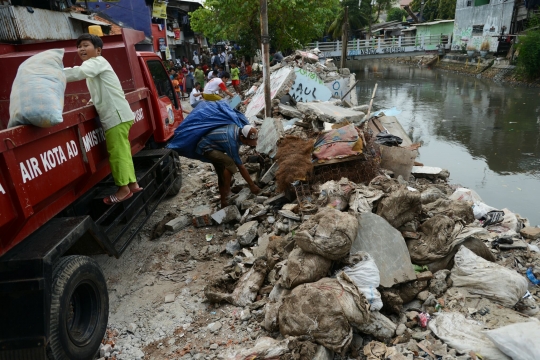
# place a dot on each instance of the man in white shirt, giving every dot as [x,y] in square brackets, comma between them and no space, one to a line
[211,90]
[195,97]
[195,58]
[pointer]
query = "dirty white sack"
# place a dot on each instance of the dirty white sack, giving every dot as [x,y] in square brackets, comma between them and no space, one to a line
[37,93]
[480,210]
[493,281]
[365,275]
[464,194]
[519,341]
[464,335]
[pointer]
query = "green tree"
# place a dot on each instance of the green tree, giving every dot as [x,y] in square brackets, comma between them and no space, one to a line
[396,14]
[381,6]
[291,23]
[435,9]
[528,64]
[358,17]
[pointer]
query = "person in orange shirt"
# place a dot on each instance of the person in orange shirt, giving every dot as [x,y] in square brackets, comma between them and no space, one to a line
[176,85]
[248,68]
[182,82]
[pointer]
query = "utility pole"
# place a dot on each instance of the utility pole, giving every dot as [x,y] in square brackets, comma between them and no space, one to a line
[344,37]
[265,39]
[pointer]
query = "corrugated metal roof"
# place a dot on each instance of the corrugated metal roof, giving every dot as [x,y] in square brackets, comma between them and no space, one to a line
[88,19]
[434,22]
[17,23]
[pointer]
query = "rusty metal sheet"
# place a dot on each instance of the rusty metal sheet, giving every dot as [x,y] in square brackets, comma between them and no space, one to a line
[18,24]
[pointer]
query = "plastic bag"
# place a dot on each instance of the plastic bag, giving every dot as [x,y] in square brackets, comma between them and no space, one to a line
[519,341]
[365,275]
[480,210]
[464,335]
[37,94]
[493,281]
[464,194]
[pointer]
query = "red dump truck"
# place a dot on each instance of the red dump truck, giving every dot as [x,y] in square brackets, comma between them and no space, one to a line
[53,296]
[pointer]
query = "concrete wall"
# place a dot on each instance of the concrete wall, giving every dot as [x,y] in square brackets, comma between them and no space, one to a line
[480,23]
[134,14]
[446,28]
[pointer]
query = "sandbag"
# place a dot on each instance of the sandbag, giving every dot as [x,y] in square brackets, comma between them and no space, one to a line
[464,335]
[329,233]
[326,310]
[452,208]
[362,199]
[400,207]
[435,242]
[335,194]
[365,275]
[493,281]
[431,194]
[519,341]
[303,267]
[37,93]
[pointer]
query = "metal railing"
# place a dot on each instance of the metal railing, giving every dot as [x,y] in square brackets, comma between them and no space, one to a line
[428,42]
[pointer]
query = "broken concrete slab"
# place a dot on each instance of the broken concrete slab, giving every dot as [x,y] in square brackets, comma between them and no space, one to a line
[242,196]
[339,87]
[308,87]
[277,200]
[169,298]
[426,171]
[202,216]
[263,242]
[328,112]
[280,83]
[269,134]
[289,111]
[387,247]
[307,56]
[289,215]
[227,214]
[247,232]
[178,224]
[530,232]
[270,174]
[239,180]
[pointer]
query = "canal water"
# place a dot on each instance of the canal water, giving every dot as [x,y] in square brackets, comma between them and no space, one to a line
[486,134]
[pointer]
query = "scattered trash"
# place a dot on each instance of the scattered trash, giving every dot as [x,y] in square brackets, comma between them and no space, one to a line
[364,273]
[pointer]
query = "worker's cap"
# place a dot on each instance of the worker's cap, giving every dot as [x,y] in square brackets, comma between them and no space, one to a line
[191,66]
[250,132]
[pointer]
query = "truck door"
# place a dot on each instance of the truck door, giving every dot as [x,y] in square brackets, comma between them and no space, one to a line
[169,107]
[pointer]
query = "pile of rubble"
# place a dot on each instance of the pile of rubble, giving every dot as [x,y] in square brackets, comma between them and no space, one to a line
[354,250]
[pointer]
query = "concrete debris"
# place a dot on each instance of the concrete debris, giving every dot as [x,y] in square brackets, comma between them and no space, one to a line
[227,214]
[202,216]
[325,111]
[284,263]
[387,247]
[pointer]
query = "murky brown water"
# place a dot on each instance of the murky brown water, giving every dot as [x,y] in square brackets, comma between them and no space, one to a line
[486,134]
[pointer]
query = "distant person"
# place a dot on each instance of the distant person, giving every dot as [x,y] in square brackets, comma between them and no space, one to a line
[199,75]
[196,60]
[211,91]
[277,57]
[235,77]
[249,70]
[176,85]
[171,73]
[196,96]
[114,112]
[221,71]
[190,80]
[182,82]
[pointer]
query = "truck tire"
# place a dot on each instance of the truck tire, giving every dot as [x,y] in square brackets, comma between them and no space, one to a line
[79,309]
[177,183]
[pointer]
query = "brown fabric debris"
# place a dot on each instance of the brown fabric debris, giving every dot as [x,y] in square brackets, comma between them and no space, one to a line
[294,159]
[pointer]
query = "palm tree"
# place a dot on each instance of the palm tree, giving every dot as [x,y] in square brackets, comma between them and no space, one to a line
[358,17]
